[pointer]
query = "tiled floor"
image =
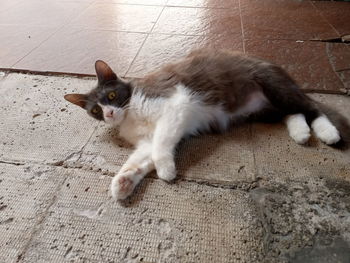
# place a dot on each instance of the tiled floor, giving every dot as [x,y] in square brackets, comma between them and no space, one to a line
[137,36]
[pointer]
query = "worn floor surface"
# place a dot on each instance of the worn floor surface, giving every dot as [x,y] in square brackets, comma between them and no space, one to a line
[251,195]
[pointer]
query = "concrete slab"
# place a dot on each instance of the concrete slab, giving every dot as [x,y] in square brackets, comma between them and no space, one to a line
[226,158]
[278,157]
[184,222]
[303,193]
[36,123]
[292,203]
[26,192]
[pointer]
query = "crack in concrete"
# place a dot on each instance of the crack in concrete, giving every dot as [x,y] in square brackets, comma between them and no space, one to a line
[12,163]
[41,218]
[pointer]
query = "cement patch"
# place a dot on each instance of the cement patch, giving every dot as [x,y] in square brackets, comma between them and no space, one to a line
[183,222]
[36,123]
[26,191]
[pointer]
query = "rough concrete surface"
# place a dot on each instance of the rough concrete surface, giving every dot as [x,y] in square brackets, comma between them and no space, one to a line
[251,195]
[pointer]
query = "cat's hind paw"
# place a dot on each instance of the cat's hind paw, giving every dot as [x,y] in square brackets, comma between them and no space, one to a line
[122,186]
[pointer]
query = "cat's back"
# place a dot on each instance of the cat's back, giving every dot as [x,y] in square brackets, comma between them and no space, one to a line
[223,74]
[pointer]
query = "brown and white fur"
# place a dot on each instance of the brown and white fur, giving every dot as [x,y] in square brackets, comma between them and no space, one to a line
[204,91]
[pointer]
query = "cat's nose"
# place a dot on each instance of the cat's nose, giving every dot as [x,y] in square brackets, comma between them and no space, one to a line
[109,114]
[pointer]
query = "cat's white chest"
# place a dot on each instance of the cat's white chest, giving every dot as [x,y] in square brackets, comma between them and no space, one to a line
[141,120]
[135,129]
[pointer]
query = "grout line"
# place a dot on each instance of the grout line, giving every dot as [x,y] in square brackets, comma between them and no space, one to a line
[138,52]
[242,29]
[324,18]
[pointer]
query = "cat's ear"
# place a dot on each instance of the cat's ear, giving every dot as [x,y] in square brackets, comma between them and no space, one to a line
[77,99]
[104,72]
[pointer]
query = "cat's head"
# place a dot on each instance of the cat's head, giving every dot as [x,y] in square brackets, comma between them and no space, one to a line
[108,100]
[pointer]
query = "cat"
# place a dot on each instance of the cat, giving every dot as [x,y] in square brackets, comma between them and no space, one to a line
[206,90]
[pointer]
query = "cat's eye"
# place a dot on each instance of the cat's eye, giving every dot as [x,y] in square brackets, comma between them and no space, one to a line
[95,110]
[112,95]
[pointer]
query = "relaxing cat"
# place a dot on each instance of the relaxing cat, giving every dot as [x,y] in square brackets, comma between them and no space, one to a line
[204,91]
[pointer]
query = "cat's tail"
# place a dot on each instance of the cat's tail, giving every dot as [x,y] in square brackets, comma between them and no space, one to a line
[340,122]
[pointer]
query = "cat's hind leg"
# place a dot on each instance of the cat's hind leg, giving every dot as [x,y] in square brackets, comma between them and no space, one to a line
[298,128]
[133,171]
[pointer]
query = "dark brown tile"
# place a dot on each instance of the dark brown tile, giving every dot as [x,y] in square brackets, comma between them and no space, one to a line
[339,56]
[76,50]
[42,13]
[309,63]
[337,14]
[119,17]
[198,21]
[18,41]
[344,75]
[160,49]
[205,3]
[283,19]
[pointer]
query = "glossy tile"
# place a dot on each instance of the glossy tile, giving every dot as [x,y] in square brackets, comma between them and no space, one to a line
[17,41]
[283,19]
[205,3]
[311,64]
[198,21]
[76,50]
[6,4]
[42,13]
[119,17]
[160,49]
[135,2]
[337,14]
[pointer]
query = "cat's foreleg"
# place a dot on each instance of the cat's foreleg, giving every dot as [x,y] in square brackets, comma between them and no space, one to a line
[169,131]
[133,171]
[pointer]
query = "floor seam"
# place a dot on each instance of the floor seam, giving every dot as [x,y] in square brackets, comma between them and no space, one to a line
[50,36]
[242,28]
[41,219]
[144,41]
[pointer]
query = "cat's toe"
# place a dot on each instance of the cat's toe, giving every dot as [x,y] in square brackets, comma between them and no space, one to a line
[122,187]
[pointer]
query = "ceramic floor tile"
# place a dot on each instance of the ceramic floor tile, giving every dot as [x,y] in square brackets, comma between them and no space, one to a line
[119,17]
[205,3]
[76,50]
[309,63]
[48,13]
[337,14]
[136,2]
[284,19]
[7,4]
[198,21]
[16,42]
[161,48]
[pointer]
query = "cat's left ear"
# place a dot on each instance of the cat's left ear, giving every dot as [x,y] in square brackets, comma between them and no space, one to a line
[104,72]
[77,99]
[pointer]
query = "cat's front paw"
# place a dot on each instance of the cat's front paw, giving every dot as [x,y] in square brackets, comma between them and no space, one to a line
[123,185]
[166,169]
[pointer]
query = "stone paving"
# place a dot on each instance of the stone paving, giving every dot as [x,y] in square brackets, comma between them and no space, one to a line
[251,195]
